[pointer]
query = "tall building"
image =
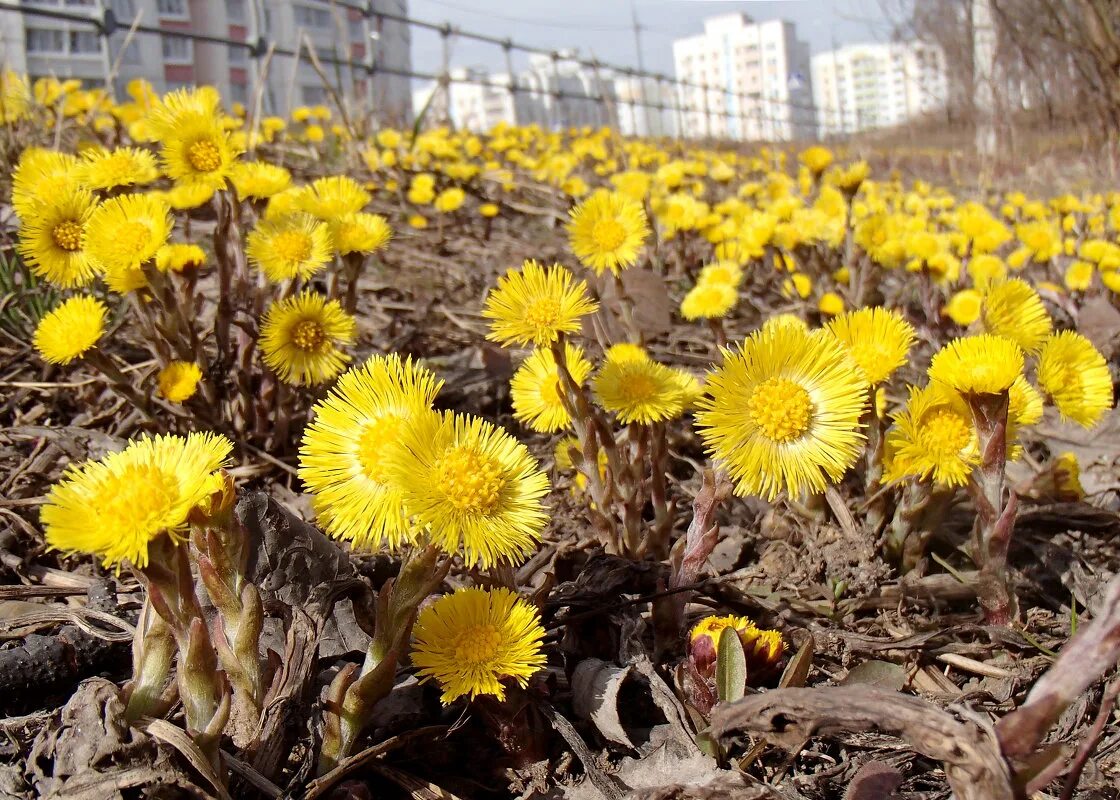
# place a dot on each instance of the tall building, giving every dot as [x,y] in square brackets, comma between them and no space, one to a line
[42,46]
[756,79]
[863,86]
[645,107]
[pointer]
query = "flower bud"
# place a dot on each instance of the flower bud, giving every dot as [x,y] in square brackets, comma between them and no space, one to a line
[763,648]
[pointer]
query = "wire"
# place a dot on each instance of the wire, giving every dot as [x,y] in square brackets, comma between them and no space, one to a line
[529,21]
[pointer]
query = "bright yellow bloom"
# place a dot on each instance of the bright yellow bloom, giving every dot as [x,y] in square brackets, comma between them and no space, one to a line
[934,437]
[360,233]
[344,455]
[763,648]
[816,158]
[721,272]
[124,233]
[301,338]
[709,300]
[187,196]
[784,411]
[124,166]
[178,257]
[1075,377]
[536,390]
[475,487]
[1078,276]
[1014,310]
[115,507]
[983,269]
[449,200]
[626,351]
[878,340]
[178,381]
[536,305]
[472,640]
[259,180]
[71,329]
[830,304]
[964,306]
[195,148]
[15,97]
[984,364]
[333,196]
[489,210]
[295,246]
[607,231]
[41,176]
[53,240]
[639,390]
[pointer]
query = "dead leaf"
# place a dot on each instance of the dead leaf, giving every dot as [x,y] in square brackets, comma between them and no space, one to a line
[874,781]
[880,674]
[595,689]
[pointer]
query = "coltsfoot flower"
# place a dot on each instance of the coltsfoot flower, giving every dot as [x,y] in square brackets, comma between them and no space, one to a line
[536,389]
[178,381]
[640,390]
[877,339]
[535,305]
[1014,310]
[607,231]
[984,364]
[302,336]
[71,329]
[1075,376]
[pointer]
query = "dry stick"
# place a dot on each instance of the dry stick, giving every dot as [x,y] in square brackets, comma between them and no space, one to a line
[331,90]
[1089,743]
[258,97]
[128,37]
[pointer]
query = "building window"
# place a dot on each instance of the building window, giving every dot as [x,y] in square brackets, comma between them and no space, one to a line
[238,55]
[177,49]
[172,8]
[311,17]
[85,43]
[235,10]
[123,9]
[45,40]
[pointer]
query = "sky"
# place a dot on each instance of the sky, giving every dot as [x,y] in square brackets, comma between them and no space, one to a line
[603,29]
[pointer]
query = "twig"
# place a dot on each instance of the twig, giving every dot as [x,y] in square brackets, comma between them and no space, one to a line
[1089,743]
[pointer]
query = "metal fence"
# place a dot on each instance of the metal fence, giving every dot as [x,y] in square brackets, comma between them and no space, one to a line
[682,108]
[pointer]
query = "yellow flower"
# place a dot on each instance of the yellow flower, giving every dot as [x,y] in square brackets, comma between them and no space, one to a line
[360,233]
[301,336]
[15,97]
[721,272]
[878,340]
[71,329]
[295,246]
[475,487]
[1014,310]
[418,221]
[187,196]
[53,241]
[783,412]
[626,351]
[536,305]
[108,169]
[333,196]
[1078,276]
[178,381]
[449,200]
[933,437]
[41,176]
[472,640]
[964,306]
[178,257]
[983,269]
[536,391]
[488,210]
[259,180]
[607,231]
[639,390]
[114,508]
[709,300]
[830,304]
[816,158]
[798,284]
[195,148]
[984,364]
[763,648]
[1075,377]
[124,233]
[344,455]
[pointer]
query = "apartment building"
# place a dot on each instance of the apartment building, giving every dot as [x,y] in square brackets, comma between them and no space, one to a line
[751,80]
[41,46]
[864,86]
[646,106]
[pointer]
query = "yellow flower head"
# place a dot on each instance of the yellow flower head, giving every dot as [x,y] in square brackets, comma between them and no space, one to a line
[360,233]
[1075,376]
[607,231]
[709,300]
[344,455]
[15,97]
[41,175]
[301,338]
[640,390]
[830,304]
[1078,276]
[115,507]
[195,147]
[449,200]
[124,233]
[259,180]
[784,411]
[721,272]
[934,437]
[626,351]
[475,487]
[52,241]
[878,340]
[536,305]
[536,391]
[984,364]
[333,196]
[71,329]
[816,158]
[178,381]
[763,648]
[472,640]
[178,257]
[295,246]
[983,269]
[964,306]
[124,166]
[1014,310]
[489,210]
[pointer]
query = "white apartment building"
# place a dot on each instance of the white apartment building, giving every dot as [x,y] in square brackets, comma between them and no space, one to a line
[645,107]
[42,46]
[864,86]
[757,76]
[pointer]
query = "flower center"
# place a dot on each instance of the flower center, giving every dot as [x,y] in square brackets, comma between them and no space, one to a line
[478,644]
[309,336]
[640,387]
[133,238]
[292,246]
[542,312]
[872,359]
[67,235]
[945,433]
[137,500]
[373,446]
[781,409]
[471,481]
[204,155]
[608,234]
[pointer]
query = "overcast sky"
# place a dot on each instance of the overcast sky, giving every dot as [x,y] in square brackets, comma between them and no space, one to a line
[603,28]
